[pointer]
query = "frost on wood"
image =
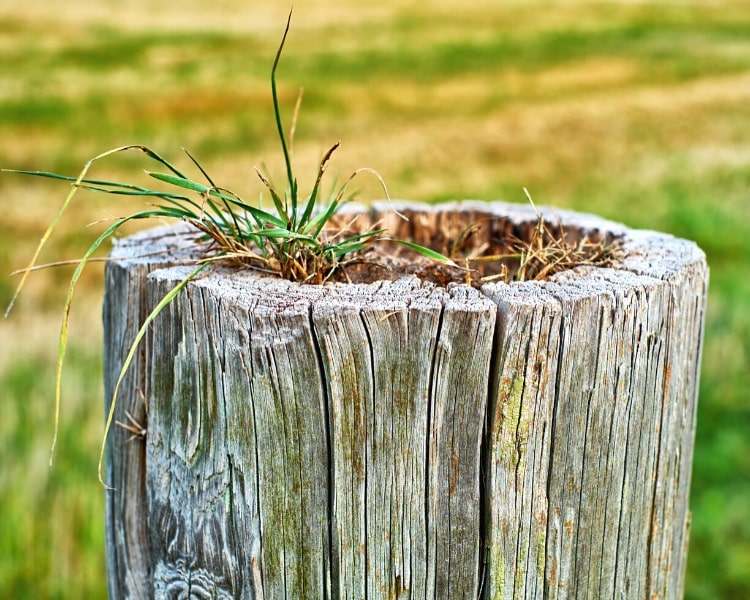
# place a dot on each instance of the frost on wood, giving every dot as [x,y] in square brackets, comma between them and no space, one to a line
[403,440]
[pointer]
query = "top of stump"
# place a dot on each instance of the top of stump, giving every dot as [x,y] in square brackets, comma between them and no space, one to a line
[645,254]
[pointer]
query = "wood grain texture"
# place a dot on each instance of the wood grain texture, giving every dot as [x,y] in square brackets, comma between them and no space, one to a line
[406,431]
[404,440]
[129,565]
[377,347]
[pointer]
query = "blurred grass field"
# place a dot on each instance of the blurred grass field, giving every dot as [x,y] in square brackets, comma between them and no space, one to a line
[632,110]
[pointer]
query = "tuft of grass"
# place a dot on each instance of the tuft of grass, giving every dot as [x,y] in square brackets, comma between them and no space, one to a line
[291,241]
[295,240]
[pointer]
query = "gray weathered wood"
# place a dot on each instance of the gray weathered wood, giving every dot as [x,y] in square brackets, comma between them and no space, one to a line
[407,397]
[403,440]
[129,565]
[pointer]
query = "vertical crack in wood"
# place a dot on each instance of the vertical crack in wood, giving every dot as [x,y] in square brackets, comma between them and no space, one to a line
[280,407]
[653,347]
[579,572]
[197,407]
[257,549]
[622,563]
[614,329]
[229,492]
[367,458]
[460,393]
[522,554]
[628,425]
[684,322]
[552,570]
[485,455]
[430,542]
[330,573]
[243,448]
[285,437]
[610,571]
[572,406]
[521,412]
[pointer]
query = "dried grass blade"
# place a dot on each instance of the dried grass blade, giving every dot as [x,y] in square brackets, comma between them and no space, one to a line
[278,203]
[171,295]
[53,224]
[314,194]
[64,326]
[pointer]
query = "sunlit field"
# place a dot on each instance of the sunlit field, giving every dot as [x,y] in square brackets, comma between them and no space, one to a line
[636,111]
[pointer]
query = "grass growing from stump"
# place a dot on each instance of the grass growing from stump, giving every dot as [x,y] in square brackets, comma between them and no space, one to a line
[292,241]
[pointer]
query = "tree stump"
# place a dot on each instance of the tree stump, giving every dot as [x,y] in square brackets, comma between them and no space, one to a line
[400,439]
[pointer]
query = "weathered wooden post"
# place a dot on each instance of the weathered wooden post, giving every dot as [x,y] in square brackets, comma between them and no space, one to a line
[404,440]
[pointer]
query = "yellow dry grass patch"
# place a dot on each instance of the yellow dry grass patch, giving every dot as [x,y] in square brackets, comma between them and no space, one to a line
[266,17]
[584,75]
[454,149]
[219,15]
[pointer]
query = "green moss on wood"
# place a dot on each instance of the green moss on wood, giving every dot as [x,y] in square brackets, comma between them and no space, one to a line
[497,572]
[541,559]
[513,433]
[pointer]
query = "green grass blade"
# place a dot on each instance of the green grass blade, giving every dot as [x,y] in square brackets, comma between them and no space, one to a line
[236,230]
[261,215]
[279,125]
[230,201]
[193,186]
[101,186]
[174,212]
[179,181]
[153,155]
[319,222]
[284,234]
[355,243]
[171,295]
[348,248]
[144,193]
[426,252]
[200,168]
[338,201]
[68,178]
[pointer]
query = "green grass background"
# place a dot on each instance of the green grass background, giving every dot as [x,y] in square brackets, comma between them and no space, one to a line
[637,111]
